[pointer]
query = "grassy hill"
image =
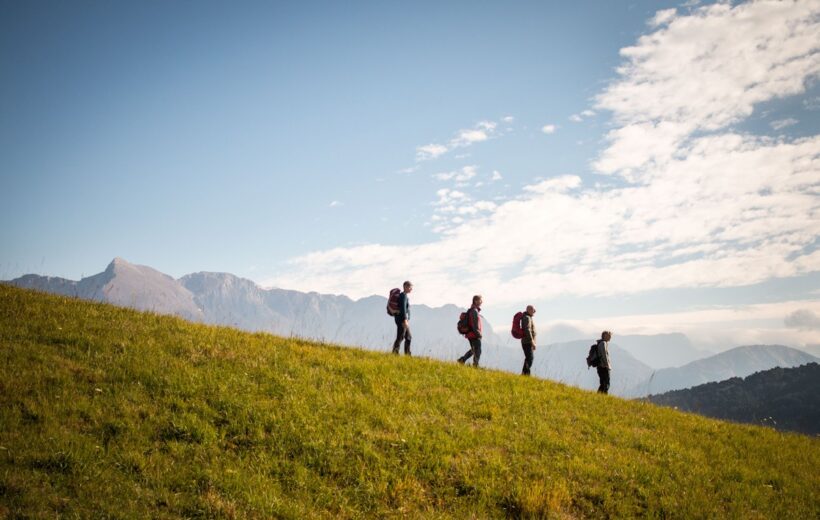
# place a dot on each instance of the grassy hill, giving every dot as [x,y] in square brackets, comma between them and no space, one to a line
[107,412]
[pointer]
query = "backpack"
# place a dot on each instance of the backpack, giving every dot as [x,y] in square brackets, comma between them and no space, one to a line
[463,325]
[593,359]
[517,332]
[393,301]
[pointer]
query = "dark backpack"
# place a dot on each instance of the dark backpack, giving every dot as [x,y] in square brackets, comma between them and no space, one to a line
[393,301]
[593,358]
[463,325]
[517,332]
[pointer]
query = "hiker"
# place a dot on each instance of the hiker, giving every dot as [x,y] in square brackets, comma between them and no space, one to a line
[604,366]
[528,338]
[473,332]
[403,320]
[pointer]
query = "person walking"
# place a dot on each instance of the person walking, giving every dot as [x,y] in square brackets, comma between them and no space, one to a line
[528,339]
[474,332]
[604,364]
[403,320]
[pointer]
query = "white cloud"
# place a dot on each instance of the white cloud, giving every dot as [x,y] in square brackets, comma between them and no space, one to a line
[508,119]
[482,131]
[548,129]
[577,118]
[696,205]
[496,176]
[663,17]
[463,175]
[803,319]
[703,72]
[468,137]
[430,151]
[719,328]
[412,169]
[780,124]
[335,204]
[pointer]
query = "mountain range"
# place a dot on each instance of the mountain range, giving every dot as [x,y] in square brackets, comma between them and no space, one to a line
[737,362]
[783,398]
[641,364]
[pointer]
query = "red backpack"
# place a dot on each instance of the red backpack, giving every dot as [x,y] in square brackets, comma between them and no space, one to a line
[463,326]
[517,332]
[393,301]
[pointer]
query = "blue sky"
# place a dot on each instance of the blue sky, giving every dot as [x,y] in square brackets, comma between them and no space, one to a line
[521,151]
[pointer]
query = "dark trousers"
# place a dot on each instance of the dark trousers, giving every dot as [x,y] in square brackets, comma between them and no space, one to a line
[402,333]
[527,358]
[474,352]
[603,376]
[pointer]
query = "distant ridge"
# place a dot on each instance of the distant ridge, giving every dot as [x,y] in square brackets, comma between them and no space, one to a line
[226,299]
[125,284]
[737,362]
[783,398]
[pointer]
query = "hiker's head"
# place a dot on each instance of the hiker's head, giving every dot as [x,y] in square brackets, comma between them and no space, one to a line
[606,335]
[477,300]
[408,287]
[530,310]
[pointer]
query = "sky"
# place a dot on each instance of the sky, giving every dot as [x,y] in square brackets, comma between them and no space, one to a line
[640,166]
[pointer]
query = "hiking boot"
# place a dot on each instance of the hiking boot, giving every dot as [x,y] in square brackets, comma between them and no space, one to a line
[460,361]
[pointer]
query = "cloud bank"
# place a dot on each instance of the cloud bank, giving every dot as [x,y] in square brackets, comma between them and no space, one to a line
[696,203]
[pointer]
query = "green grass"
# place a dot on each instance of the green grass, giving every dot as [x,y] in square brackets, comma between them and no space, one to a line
[108,412]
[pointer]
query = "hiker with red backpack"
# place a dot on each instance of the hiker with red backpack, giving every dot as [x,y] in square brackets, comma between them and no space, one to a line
[470,326]
[523,328]
[398,306]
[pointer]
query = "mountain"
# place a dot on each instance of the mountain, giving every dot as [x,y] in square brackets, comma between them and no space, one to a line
[566,363]
[661,350]
[225,299]
[656,351]
[128,285]
[560,333]
[117,413]
[813,349]
[737,362]
[784,398]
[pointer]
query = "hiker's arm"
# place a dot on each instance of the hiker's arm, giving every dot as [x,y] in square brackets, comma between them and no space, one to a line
[474,323]
[403,307]
[526,324]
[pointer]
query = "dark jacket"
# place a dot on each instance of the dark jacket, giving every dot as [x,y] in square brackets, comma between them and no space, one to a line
[528,327]
[603,354]
[404,308]
[474,322]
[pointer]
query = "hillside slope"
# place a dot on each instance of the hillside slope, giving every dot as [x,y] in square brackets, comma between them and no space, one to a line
[108,412]
[225,299]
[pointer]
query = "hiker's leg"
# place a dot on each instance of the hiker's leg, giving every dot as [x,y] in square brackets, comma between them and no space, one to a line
[475,346]
[603,377]
[399,337]
[527,358]
[467,355]
[407,339]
